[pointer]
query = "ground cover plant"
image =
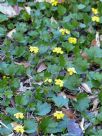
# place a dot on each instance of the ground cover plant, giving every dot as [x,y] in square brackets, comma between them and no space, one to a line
[51,68]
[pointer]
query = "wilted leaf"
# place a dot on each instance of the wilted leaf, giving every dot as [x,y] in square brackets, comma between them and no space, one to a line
[8,10]
[69,113]
[95,104]
[86,88]
[82,124]
[84,55]
[9,34]
[28,10]
[97,39]
[41,67]
[23,88]
[25,64]
[96,42]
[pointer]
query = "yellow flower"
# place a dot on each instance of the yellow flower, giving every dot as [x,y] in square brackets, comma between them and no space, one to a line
[71,71]
[95,11]
[59,82]
[54,2]
[19,115]
[4,77]
[58,115]
[58,50]
[64,31]
[19,129]
[72,40]
[48,80]
[95,19]
[33,49]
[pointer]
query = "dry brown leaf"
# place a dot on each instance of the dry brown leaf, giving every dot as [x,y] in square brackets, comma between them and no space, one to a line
[93,43]
[53,20]
[84,55]
[62,94]
[86,88]
[28,10]
[97,39]
[69,113]
[9,10]
[38,83]
[95,104]
[9,34]
[100,37]
[25,64]
[82,124]
[14,124]
[71,97]
[23,88]
[41,67]
[96,42]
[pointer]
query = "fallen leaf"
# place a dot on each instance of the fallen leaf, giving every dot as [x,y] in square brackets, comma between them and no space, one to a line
[74,128]
[95,104]
[28,10]
[25,64]
[97,39]
[84,55]
[96,42]
[38,83]
[62,94]
[41,67]
[100,37]
[9,34]
[93,43]
[53,20]
[9,10]
[69,113]
[86,88]
[82,124]
[23,88]
[14,124]
[71,97]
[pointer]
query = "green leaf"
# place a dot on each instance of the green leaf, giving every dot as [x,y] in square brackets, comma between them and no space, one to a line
[22,100]
[6,131]
[54,69]
[94,52]
[82,102]
[8,94]
[69,47]
[11,111]
[30,126]
[12,2]
[2,31]
[100,96]
[43,108]
[3,18]
[46,124]
[72,82]
[60,101]
[61,10]
[81,6]
[81,65]
[62,61]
